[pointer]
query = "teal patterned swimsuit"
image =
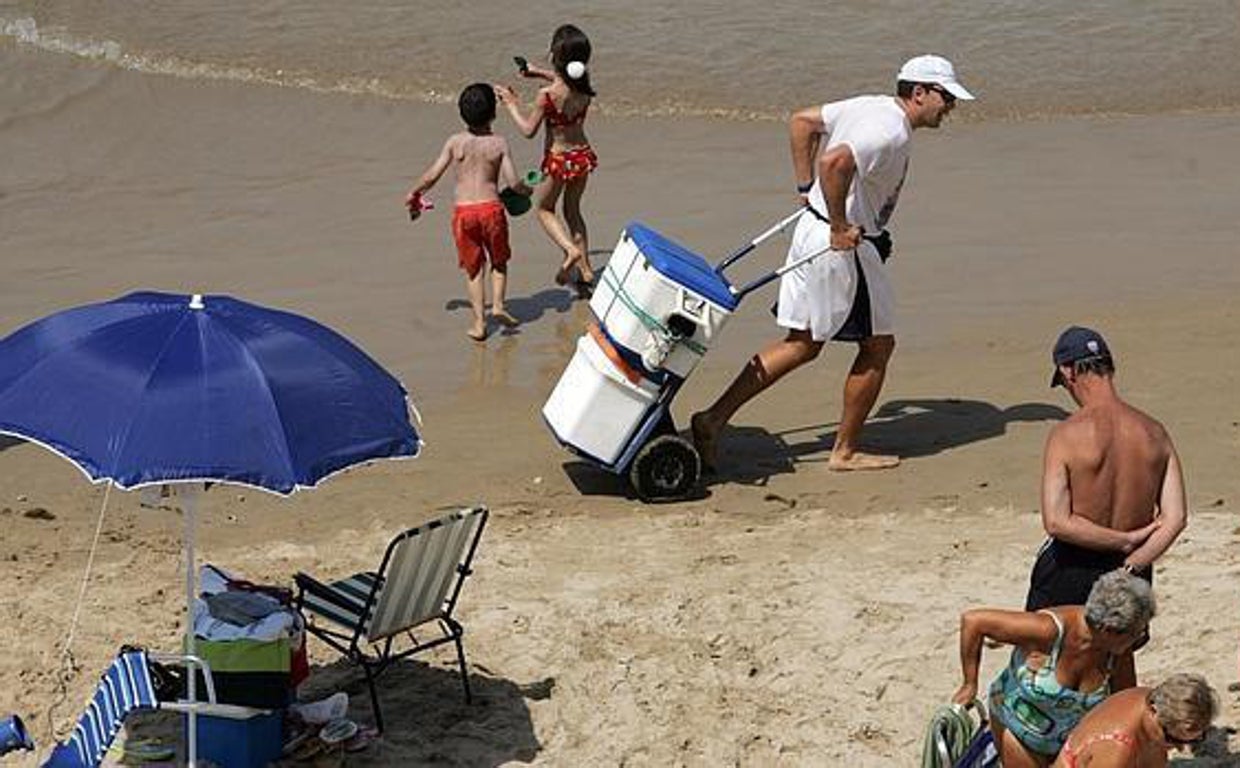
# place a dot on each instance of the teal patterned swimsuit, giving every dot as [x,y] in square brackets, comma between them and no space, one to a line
[1034,706]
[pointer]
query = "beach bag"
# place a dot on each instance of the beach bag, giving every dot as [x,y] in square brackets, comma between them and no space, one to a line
[958,738]
[252,638]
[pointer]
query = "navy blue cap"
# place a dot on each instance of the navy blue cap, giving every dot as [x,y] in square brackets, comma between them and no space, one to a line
[1076,344]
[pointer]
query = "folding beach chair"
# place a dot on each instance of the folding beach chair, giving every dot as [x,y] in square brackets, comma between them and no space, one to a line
[417,583]
[959,737]
[126,686]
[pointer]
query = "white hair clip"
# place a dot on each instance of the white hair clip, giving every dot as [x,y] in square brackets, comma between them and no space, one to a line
[575,69]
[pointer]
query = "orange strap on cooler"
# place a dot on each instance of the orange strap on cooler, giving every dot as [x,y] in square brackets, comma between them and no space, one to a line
[629,372]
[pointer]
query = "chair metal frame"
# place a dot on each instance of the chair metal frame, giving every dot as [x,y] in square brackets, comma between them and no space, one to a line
[352,642]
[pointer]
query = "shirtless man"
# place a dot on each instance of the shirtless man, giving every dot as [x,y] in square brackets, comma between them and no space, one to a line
[1112,489]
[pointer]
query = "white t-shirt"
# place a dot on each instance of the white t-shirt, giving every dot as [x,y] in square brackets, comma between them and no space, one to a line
[877,131]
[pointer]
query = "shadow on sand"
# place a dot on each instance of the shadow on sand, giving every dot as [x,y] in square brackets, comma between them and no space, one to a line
[426,720]
[592,480]
[8,441]
[912,428]
[907,428]
[526,309]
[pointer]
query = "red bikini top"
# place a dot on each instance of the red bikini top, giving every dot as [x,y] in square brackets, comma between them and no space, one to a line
[558,119]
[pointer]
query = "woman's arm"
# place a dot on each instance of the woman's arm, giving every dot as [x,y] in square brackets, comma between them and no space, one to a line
[1011,627]
[536,72]
[528,126]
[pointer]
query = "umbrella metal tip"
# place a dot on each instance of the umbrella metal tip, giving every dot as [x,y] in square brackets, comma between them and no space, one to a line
[195,301]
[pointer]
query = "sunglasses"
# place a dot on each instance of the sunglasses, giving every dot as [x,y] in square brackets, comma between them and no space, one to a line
[948,96]
[1176,741]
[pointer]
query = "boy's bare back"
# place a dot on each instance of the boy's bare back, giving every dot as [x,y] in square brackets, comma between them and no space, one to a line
[478,163]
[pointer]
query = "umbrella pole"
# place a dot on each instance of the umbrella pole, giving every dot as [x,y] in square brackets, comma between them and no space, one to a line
[189,508]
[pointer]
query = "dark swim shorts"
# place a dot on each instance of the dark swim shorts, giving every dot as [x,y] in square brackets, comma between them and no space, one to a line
[1063,574]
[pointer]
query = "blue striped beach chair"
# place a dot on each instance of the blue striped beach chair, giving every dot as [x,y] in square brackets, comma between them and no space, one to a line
[417,585]
[126,686]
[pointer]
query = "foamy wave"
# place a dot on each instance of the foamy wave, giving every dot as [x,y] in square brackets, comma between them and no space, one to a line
[26,32]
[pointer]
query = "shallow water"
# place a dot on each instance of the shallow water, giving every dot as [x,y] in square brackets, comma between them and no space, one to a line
[695,56]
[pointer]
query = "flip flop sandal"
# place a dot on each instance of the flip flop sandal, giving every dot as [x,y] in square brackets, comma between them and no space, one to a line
[361,740]
[308,750]
[338,731]
[143,751]
[296,742]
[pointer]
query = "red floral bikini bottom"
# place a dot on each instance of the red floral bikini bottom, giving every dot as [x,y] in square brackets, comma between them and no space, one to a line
[570,164]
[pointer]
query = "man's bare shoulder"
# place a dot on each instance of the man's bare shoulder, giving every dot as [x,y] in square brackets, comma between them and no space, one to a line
[1153,428]
[1078,426]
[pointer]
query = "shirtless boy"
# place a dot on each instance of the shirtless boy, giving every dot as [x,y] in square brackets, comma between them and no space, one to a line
[1112,489]
[479,224]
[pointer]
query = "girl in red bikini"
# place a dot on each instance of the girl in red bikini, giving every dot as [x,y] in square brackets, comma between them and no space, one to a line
[567,156]
[1135,728]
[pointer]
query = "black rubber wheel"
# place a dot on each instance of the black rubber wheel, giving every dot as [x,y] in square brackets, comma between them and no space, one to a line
[667,467]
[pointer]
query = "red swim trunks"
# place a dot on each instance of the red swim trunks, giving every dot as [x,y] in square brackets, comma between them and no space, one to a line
[480,230]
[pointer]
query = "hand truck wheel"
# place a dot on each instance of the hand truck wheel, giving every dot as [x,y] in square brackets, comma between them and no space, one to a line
[667,467]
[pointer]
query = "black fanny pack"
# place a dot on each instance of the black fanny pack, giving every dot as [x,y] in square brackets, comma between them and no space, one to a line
[881,241]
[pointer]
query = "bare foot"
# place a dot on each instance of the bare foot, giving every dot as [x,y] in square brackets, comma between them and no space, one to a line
[705,439]
[584,288]
[502,317]
[858,461]
[477,332]
[563,275]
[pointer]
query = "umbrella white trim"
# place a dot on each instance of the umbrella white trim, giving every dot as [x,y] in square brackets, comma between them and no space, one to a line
[213,480]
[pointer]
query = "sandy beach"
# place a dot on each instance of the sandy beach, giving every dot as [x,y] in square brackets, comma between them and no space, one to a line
[790,616]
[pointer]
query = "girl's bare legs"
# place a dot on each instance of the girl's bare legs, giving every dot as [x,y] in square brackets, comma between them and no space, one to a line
[573,191]
[548,196]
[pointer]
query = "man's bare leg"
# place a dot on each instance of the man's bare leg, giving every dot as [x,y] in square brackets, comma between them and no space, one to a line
[861,388]
[762,370]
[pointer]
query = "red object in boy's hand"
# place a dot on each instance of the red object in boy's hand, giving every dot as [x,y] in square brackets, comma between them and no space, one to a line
[417,203]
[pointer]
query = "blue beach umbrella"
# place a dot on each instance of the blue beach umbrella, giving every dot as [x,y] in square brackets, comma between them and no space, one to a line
[155,388]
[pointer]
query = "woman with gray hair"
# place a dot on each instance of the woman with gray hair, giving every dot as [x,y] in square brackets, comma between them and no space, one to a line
[1060,666]
[1135,728]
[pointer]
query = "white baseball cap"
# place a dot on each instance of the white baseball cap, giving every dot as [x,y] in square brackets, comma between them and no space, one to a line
[934,69]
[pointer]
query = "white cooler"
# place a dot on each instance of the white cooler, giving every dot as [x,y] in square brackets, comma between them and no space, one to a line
[661,301]
[595,408]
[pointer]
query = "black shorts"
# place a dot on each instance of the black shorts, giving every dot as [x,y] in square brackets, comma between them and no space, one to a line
[1063,574]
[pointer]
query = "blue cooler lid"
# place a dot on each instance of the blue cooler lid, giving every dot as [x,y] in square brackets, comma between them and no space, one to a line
[681,266]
